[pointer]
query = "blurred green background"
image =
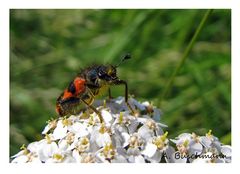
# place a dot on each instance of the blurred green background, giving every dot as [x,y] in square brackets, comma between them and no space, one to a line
[48,47]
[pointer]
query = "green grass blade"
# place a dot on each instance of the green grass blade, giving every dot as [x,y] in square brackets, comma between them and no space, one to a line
[185,55]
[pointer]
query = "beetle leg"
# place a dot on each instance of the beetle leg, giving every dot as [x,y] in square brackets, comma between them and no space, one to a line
[122,82]
[109,94]
[91,96]
[94,109]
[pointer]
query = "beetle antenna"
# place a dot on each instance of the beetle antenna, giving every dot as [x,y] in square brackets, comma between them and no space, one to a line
[125,57]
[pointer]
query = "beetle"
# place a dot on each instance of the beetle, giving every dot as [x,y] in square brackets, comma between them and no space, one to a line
[87,85]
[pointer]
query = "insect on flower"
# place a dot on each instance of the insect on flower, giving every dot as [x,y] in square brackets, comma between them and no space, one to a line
[87,85]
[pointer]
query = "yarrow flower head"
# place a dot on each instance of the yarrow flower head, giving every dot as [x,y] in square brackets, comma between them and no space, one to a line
[194,148]
[120,138]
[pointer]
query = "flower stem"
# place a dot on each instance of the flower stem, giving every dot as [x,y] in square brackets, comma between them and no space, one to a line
[185,54]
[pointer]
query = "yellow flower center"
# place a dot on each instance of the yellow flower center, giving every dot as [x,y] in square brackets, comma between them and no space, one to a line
[70,137]
[83,145]
[186,143]
[25,150]
[85,141]
[87,159]
[48,138]
[120,119]
[102,129]
[195,137]
[160,141]
[135,141]
[66,122]
[209,134]
[108,151]
[52,123]
[151,124]
[183,148]
[58,157]
[91,120]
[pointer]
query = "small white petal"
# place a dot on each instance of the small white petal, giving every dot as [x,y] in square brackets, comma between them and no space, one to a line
[46,129]
[156,115]
[140,106]
[133,127]
[121,151]
[76,156]
[35,160]
[205,141]
[107,117]
[195,148]
[119,159]
[139,159]
[159,131]
[149,150]
[117,139]
[33,147]
[169,154]
[69,159]
[145,132]
[217,145]
[73,118]
[121,128]
[126,138]
[175,141]
[182,138]
[50,160]
[131,159]
[49,149]
[79,129]
[133,151]
[20,159]
[156,158]
[60,131]
[162,125]
[119,100]
[185,136]
[103,139]
[226,150]
[100,157]
[145,103]
[142,120]
[63,145]
[93,147]
[18,154]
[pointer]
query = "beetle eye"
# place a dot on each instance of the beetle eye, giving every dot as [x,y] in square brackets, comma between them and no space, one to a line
[101,73]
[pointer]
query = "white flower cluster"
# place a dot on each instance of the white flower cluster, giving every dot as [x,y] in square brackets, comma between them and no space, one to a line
[121,138]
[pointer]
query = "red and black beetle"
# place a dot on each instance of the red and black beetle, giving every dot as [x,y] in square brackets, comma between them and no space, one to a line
[87,85]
